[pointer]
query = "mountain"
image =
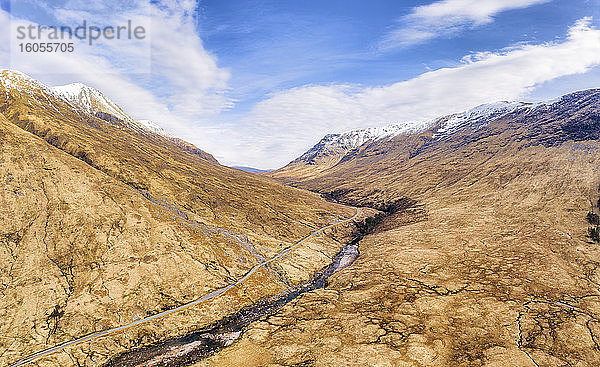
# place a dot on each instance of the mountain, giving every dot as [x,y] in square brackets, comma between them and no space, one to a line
[103,223]
[152,126]
[333,148]
[497,262]
[250,169]
[93,102]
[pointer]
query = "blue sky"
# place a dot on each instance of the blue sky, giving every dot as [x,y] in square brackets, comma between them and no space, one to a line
[274,45]
[256,83]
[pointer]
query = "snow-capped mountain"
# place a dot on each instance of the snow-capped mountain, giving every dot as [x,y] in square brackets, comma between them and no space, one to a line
[151,126]
[474,118]
[15,80]
[80,96]
[93,101]
[90,100]
[83,99]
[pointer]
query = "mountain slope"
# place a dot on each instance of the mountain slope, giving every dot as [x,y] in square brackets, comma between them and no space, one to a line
[94,102]
[495,268]
[103,224]
[91,100]
[333,148]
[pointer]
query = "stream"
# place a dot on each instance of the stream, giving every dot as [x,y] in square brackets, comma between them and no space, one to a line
[191,348]
[185,350]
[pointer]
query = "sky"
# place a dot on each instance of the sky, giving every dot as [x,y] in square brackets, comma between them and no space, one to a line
[257,83]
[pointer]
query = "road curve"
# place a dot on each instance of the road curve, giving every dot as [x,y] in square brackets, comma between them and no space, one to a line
[207,297]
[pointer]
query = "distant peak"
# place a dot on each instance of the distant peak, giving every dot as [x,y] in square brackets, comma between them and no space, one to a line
[76,89]
[153,127]
[14,73]
[74,86]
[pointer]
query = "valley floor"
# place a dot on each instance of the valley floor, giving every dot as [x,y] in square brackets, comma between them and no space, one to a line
[439,286]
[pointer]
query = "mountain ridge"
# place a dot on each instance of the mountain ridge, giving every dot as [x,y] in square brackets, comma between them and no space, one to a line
[337,148]
[91,101]
[103,223]
[500,266]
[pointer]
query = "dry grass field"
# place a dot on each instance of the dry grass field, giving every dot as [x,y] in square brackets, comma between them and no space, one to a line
[103,223]
[494,267]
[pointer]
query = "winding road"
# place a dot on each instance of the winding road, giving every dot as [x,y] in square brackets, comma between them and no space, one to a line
[207,297]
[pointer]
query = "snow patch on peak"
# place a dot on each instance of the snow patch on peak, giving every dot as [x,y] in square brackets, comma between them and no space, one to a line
[355,138]
[18,81]
[14,74]
[90,100]
[491,109]
[10,73]
[71,91]
[151,126]
[333,143]
[475,117]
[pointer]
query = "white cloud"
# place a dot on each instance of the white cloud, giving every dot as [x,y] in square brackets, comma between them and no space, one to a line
[285,125]
[446,17]
[169,77]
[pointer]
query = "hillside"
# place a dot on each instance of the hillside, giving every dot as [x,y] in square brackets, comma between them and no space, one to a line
[337,148]
[492,267]
[93,102]
[105,222]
